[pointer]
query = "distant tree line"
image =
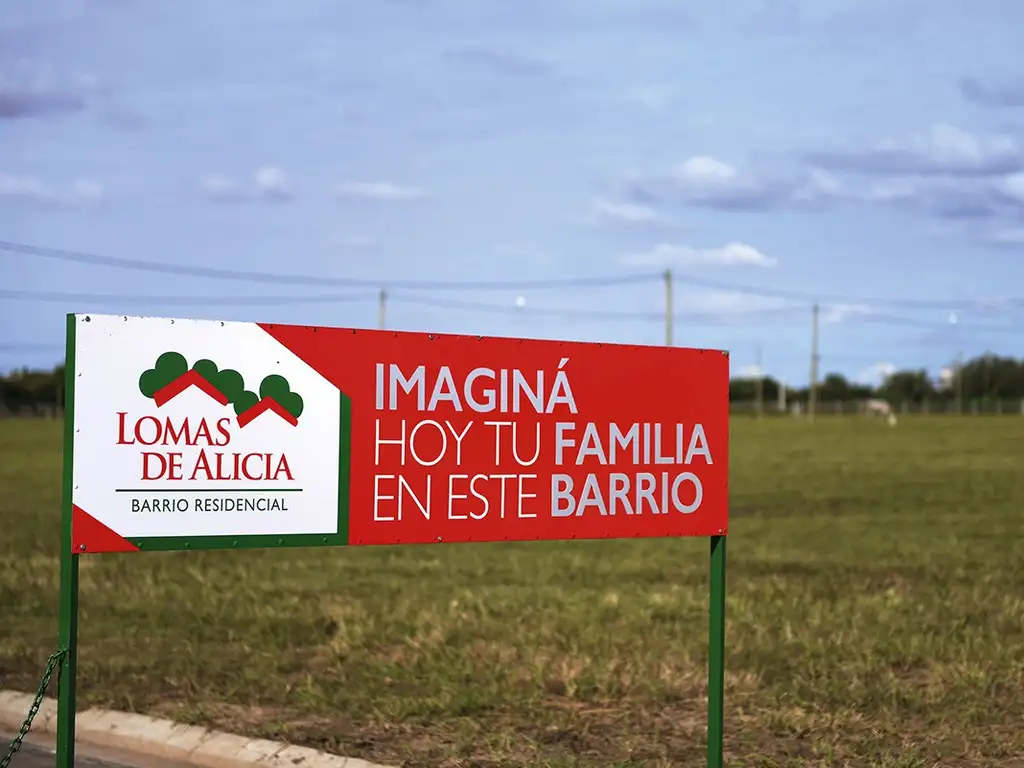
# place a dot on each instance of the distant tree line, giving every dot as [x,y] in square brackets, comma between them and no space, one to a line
[28,392]
[987,377]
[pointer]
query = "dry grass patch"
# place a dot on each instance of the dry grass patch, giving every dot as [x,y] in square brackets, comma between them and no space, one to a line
[875,619]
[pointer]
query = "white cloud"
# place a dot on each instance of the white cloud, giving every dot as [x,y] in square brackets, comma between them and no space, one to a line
[892,191]
[30,190]
[731,302]
[730,254]
[987,305]
[656,98]
[25,188]
[875,374]
[949,197]
[943,150]
[704,170]
[627,212]
[381,191]
[630,214]
[952,143]
[220,187]
[269,184]
[1013,186]
[818,186]
[733,307]
[87,191]
[749,372]
[272,183]
[945,172]
[837,313]
[1008,236]
[711,183]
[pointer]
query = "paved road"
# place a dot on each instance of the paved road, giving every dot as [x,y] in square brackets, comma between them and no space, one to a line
[35,756]
[37,752]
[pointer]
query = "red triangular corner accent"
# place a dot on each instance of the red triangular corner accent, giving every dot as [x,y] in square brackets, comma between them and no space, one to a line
[90,535]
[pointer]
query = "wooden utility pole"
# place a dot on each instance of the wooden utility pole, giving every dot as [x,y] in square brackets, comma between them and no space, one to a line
[668,308]
[812,393]
[759,386]
[382,309]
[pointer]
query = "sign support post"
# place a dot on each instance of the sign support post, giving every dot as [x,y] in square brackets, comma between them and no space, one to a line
[68,616]
[68,664]
[716,655]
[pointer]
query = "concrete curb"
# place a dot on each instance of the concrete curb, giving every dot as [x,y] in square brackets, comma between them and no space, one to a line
[190,744]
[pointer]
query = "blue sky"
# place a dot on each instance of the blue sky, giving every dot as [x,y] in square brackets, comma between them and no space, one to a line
[868,153]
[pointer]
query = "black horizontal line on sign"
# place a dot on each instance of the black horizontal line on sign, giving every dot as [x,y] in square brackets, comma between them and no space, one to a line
[207,490]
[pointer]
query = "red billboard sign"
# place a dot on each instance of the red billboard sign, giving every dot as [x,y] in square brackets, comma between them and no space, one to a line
[465,438]
[197,434]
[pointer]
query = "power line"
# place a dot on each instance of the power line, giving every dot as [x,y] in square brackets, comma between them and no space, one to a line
[399,298]
[596,314]
[512,309]
[27,346]
[792,311]
[838,299]
[804,297]
[780,315]
[312,280]
[910,322]
[114,298]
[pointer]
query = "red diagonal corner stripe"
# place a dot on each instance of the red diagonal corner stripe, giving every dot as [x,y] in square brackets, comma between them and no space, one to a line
[90,535]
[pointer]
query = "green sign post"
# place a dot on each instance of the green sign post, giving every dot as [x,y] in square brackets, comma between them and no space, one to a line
[68,616]
[716,656]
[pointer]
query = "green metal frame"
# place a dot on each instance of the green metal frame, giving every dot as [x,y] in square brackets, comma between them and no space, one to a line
[69,559]
[68,619]
[716,656]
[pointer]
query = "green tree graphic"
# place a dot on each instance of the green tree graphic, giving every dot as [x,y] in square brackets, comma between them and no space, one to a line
[168,367]
[245,401]
[172,365]
[278,388]
[228,382]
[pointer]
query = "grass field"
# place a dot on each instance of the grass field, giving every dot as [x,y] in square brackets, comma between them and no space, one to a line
[875,618]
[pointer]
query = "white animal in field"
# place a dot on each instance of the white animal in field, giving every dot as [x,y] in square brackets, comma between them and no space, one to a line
[880,408]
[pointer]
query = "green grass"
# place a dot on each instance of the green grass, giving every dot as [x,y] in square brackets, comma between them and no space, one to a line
[875,618]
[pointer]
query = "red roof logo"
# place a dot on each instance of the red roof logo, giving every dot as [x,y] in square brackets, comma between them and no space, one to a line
[171,375]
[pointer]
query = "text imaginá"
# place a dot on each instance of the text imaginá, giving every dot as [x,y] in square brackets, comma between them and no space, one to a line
[531,459]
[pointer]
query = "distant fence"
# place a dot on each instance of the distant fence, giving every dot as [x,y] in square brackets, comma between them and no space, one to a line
[978,407]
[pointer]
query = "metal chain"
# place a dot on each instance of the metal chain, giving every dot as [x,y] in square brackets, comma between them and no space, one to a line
[52,663]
